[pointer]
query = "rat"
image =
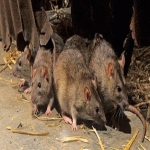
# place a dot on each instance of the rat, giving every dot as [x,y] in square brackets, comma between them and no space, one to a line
[75,89]
[22,69]
[42,91]
[108,70]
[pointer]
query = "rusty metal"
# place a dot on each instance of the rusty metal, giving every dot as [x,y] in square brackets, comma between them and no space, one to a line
[24,21]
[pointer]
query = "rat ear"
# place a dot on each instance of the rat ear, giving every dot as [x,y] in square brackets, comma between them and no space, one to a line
[28,53]
[87,94]
[94,81]
[33,71]
[98,37]
[121,60]
[110,70]
[45,72]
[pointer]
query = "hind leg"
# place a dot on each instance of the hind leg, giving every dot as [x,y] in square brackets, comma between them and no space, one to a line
[74,118]
[66,118]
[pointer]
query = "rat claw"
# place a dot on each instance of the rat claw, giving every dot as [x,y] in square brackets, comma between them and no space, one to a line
[74,127]
[67,119]
[48,112]
[28,90]
[20,84]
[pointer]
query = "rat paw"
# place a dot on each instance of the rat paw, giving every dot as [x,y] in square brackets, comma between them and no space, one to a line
[35,111]
[67,119]
[20,84]
[48,112]
[28,90]
[74,127]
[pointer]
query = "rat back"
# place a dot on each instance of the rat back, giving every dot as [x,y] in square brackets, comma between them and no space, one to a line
[74,88]
[77,42]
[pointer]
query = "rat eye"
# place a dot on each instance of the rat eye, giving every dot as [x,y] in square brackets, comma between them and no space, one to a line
[119,88]
[20,63]
[39,85]
[97,110]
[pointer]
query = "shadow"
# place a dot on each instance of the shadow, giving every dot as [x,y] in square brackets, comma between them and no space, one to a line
[118,121]
[90,123]
[21,43]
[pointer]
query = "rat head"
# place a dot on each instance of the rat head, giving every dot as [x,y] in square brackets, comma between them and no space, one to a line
[116,87]
[41,85]
[93,109]
[22,68]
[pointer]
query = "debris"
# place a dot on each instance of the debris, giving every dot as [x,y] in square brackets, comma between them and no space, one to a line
[11,57]
[30,133]
[74,138]
[47,118]
[83,127]
[20,125]
[83,148]
[127,147]
[10,81]
[99,139]
[8,128]
[142,146]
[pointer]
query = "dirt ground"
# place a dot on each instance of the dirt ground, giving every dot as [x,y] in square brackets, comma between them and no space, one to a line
[15,114]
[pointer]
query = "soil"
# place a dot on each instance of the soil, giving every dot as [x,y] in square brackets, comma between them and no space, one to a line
[16,110]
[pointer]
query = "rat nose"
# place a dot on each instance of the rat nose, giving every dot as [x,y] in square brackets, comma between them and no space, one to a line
[123,104]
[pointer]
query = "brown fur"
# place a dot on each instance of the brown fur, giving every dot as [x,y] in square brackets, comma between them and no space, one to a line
[105,66]
[78,42]
[22,68]
[42,85]
[75,91]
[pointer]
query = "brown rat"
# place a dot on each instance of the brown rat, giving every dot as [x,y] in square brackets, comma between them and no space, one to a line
[22,68]
[42,92]
[109,72]
[75,89]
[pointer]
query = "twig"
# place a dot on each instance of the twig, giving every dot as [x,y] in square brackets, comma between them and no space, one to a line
[3,68]
[47,118]
[142,146]
[10,81]
[30,133]
[99,139]
[74,138]
[127,147]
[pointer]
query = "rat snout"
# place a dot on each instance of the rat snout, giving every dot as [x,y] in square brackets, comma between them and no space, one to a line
[103,119]
[123,104]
